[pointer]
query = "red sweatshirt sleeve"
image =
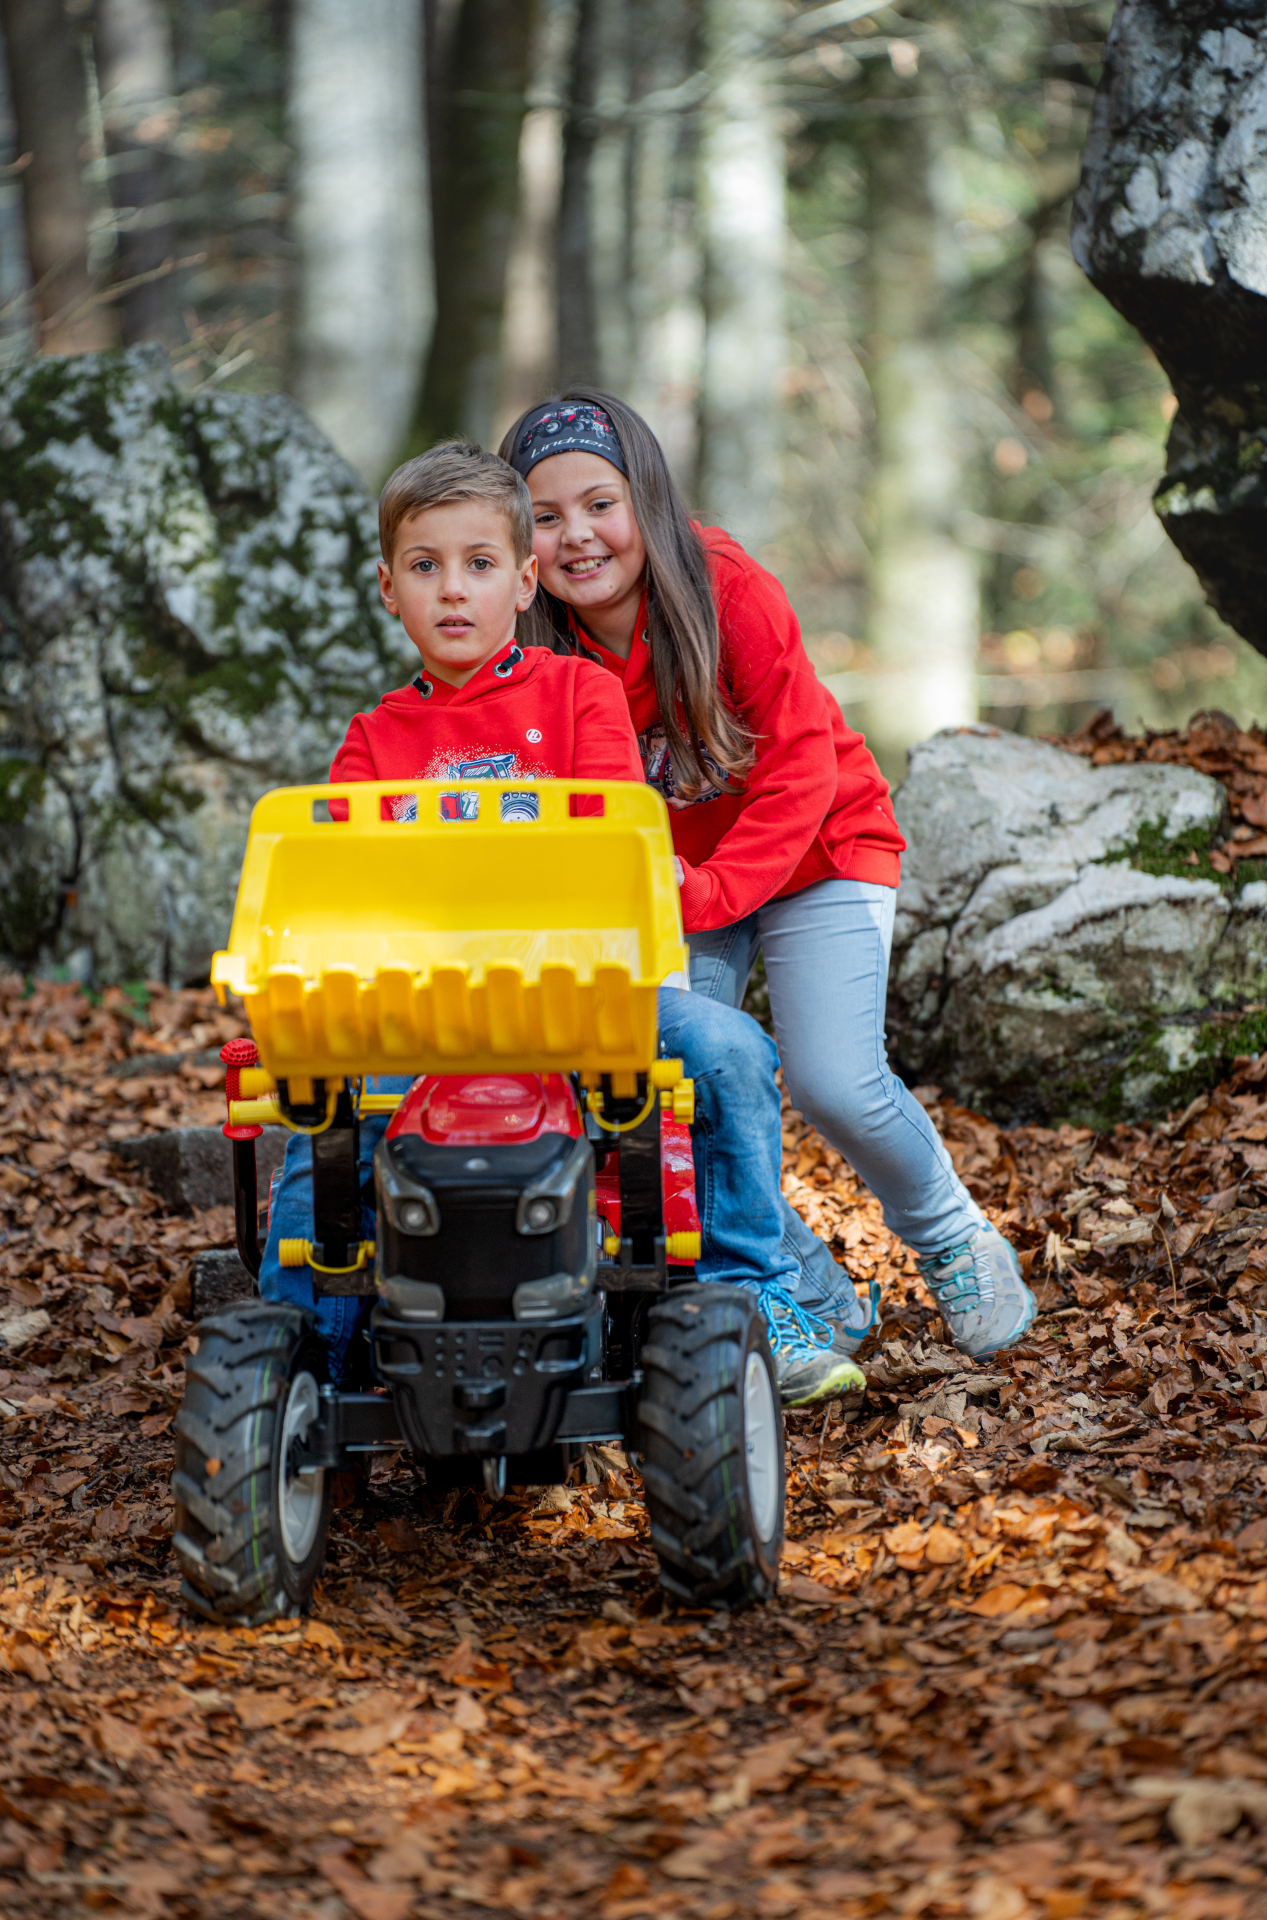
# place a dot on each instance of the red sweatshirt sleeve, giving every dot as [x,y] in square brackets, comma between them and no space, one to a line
[792,786]
[354,760]
[605,745]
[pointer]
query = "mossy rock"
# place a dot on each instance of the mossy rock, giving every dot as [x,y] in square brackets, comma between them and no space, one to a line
[190,616]
[1065,948]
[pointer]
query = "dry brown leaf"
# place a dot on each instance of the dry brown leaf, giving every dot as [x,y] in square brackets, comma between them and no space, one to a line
[265,1709]
[363,1739]
[367,1898]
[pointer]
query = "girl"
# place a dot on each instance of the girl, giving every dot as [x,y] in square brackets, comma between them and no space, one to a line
[784,831]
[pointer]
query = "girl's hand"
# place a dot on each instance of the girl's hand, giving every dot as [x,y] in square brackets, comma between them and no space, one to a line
[678,874]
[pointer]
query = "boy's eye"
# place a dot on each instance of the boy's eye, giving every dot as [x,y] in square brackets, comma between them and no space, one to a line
[481,563]
[424,566]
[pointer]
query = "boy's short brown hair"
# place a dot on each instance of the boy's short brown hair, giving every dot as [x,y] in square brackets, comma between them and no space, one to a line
[455,470]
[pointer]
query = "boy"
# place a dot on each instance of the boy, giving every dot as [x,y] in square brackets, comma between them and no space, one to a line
[456,531]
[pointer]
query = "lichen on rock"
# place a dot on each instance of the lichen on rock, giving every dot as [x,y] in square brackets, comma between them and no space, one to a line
[189,615]
[1063,949]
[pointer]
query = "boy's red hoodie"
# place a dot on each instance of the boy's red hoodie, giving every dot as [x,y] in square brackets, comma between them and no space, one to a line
[525,715]
[815,805]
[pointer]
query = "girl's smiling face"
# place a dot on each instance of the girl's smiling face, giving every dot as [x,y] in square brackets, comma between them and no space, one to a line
[589,549]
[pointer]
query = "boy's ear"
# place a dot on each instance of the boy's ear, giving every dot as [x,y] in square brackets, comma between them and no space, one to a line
[385,589]
[527,584]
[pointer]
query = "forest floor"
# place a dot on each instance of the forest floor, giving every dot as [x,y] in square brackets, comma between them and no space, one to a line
[1016,1667]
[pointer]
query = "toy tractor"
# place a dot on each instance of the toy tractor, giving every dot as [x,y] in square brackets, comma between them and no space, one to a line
[532,1266]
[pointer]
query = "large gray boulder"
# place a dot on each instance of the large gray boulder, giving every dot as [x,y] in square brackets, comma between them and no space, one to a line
[1170,223]
[1064,948]
[189,615]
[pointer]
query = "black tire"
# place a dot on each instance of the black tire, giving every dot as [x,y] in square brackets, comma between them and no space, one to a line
[250,1536]
[711,1432]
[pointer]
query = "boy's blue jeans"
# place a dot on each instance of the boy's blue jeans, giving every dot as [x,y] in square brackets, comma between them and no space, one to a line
[747,1226]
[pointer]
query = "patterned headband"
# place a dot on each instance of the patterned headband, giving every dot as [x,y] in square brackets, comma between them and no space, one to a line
[566,426]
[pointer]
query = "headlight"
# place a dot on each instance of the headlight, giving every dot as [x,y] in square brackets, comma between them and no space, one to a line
[547,1202]
[413,1217]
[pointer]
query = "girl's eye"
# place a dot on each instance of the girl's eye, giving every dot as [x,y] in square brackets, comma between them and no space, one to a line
[601,506]
[546,519]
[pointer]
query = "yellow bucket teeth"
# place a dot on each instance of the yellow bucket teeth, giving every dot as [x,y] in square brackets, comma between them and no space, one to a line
[454,942]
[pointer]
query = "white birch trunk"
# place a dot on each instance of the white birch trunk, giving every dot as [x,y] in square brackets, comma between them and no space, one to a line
[362,222]
[924,621]
[742,219]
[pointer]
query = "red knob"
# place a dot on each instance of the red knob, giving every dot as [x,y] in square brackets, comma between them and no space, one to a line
[237,1054]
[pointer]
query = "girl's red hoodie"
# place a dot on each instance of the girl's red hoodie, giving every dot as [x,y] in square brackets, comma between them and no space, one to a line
[525,715]
[815,805]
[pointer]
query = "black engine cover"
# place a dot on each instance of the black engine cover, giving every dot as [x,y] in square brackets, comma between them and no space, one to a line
[478,1254]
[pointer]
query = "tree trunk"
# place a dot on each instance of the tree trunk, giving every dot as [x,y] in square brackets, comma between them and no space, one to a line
[361,222]
[134,72]
[1170,223]
[924,584]
[46,81]
[578,317]
[741,212]
[610,226]
[15,279]
[664,291]
[476,198]
[530,323]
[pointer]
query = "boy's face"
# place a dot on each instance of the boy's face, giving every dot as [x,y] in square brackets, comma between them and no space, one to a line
[455,586]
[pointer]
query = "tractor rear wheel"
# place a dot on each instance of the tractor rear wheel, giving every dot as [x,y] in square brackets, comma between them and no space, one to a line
[711,1433]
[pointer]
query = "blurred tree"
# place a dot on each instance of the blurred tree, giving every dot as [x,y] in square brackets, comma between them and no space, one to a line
[49,93]
[741,217]
[664,269]
[924,618]
[578,314]
[134,73]
[530,346]
[15,277]
[481,100]
[365,296]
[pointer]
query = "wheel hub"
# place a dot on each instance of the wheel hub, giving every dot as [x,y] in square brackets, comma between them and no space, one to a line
[299,1495]
[761,1447]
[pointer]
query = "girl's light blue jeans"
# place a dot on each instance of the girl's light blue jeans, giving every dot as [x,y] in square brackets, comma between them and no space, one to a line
[827,964]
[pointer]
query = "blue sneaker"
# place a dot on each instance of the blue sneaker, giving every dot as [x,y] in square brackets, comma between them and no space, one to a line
[978,1286]
[810,1360]
[824,1287]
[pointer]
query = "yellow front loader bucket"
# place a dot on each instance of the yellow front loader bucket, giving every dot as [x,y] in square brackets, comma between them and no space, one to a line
[455,927]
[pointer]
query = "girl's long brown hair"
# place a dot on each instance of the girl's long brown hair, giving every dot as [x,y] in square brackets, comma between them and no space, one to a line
[699,726]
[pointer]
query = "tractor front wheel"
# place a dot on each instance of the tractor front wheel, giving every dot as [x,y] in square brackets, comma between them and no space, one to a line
[712,1444]
[250,1524]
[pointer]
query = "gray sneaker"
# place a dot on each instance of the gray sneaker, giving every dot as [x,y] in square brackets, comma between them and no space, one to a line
[978,1286]
[811,1360]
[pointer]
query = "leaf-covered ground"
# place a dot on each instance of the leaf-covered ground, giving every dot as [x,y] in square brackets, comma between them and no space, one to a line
[1016,1668]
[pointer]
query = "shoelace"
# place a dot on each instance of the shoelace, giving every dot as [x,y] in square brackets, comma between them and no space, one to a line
[954,1285]
[789,1322]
